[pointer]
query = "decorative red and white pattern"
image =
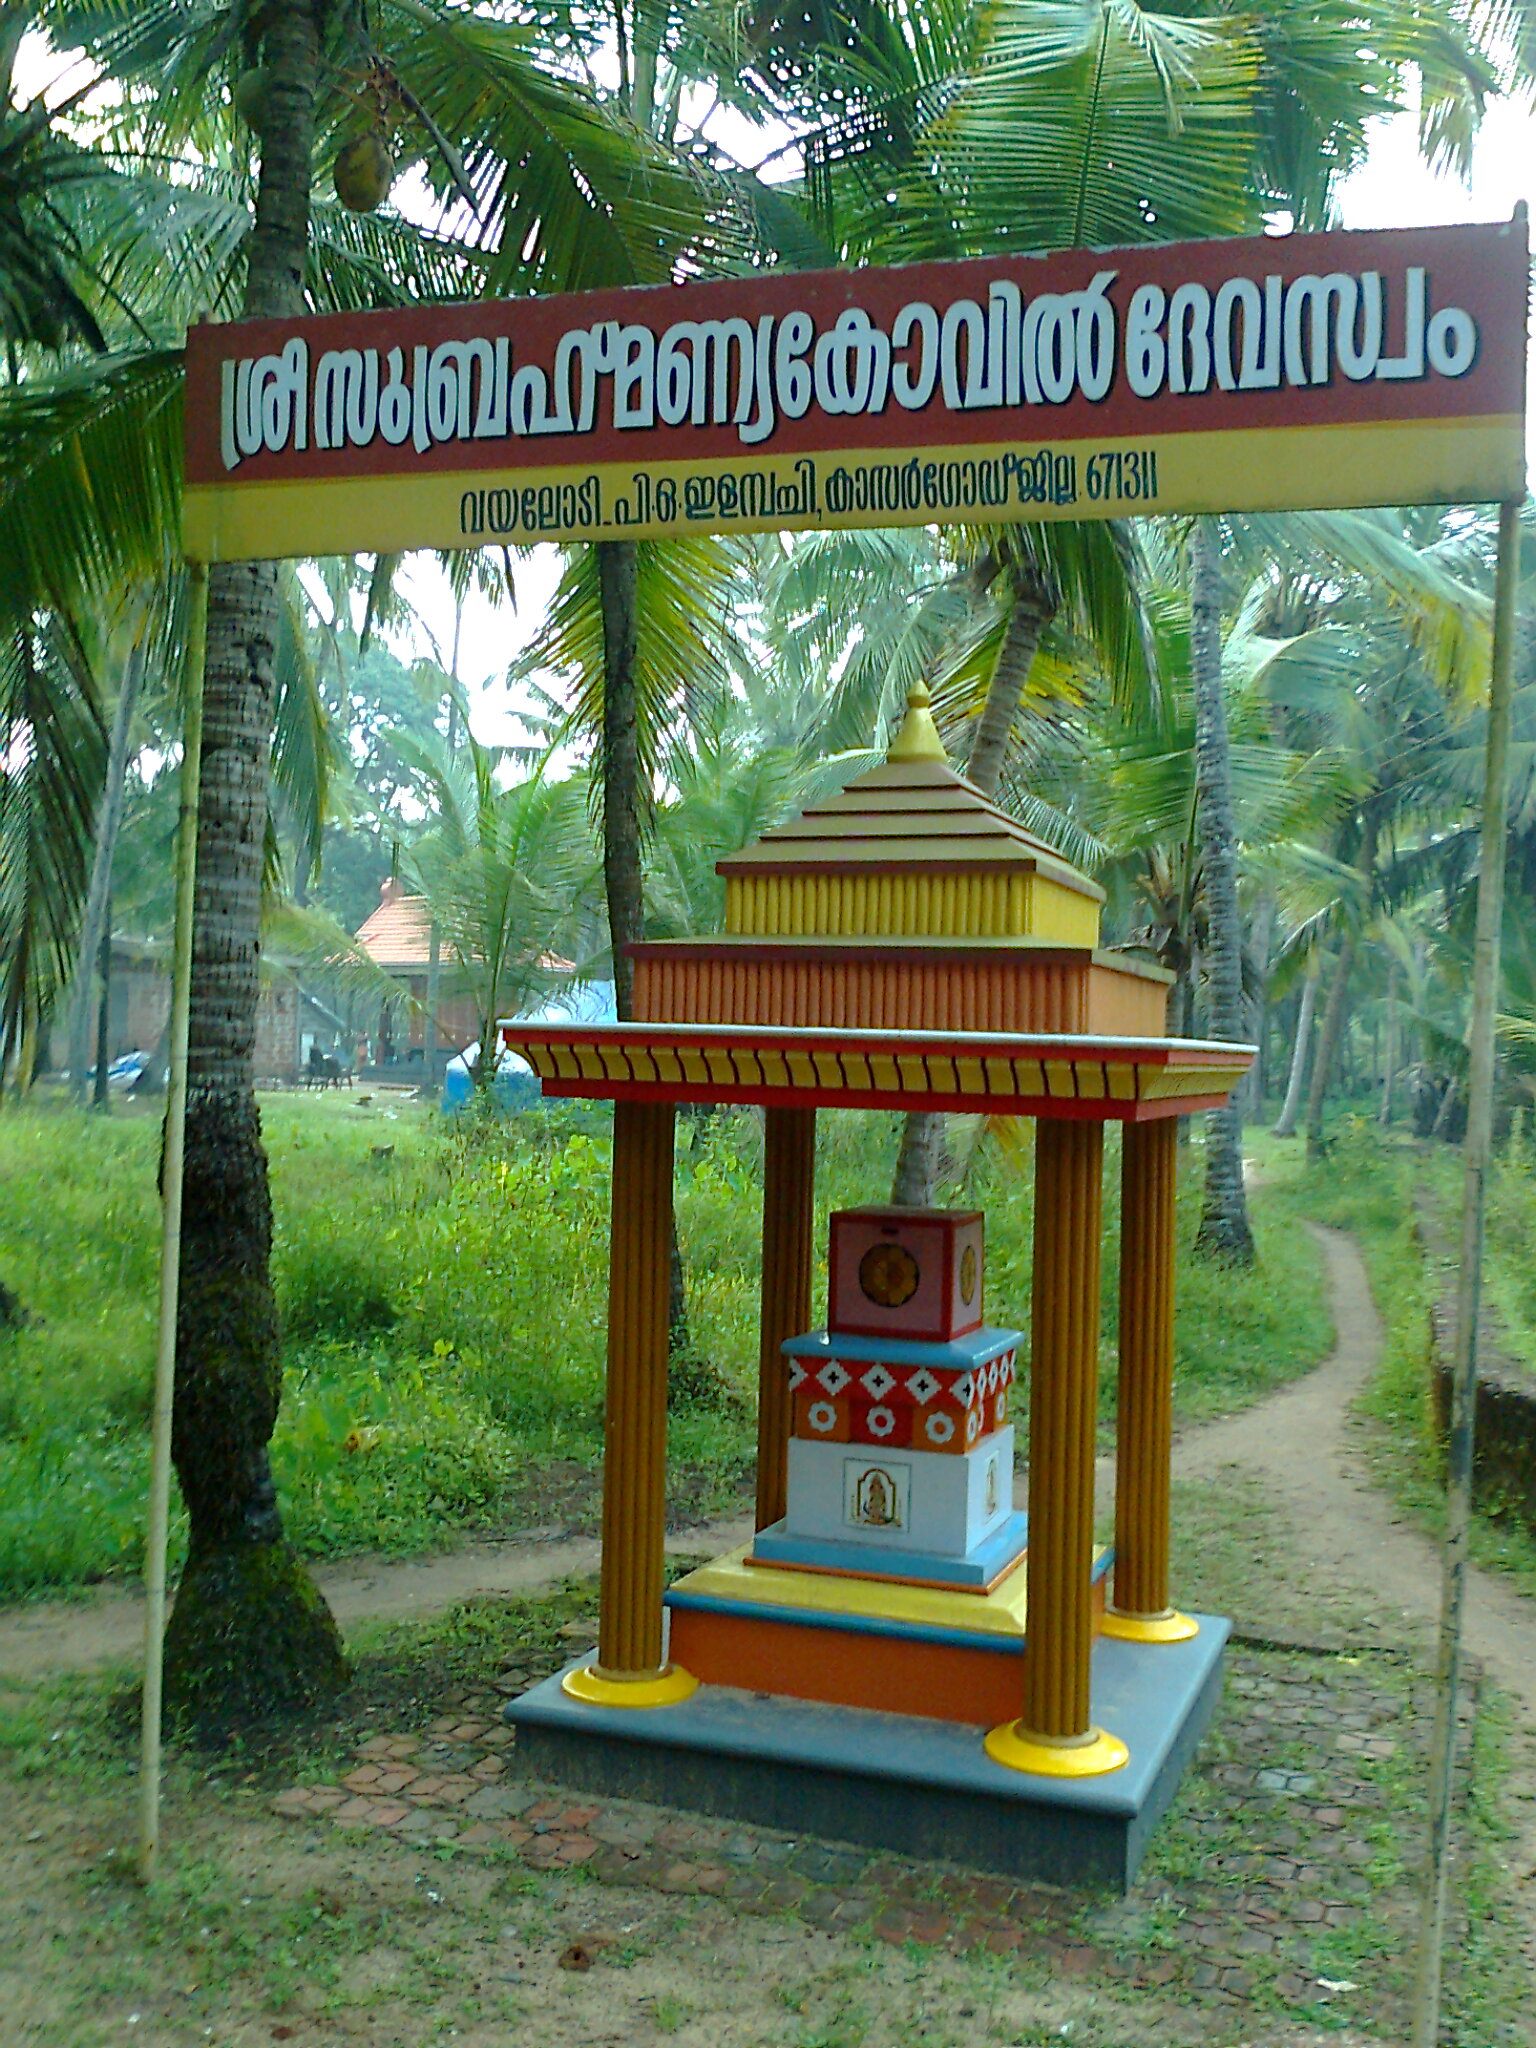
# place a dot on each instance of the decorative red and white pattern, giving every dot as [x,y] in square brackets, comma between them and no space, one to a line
[901,1407]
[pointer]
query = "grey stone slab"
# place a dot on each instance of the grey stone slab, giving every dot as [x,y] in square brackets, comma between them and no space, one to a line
[895,1781]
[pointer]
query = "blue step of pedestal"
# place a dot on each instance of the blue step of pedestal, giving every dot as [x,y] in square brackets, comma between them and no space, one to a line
[974,1572]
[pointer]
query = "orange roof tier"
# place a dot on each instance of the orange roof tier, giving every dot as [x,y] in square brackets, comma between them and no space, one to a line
[1110,1080]
[399,933]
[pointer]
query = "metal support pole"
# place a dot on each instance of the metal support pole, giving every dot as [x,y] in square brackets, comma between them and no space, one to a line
[1056,1737]
[1148,1181]
[170,1230]
[1477,1154]
[789,1196]
[630,1670]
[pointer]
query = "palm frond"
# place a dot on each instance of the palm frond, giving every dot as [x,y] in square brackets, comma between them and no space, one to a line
[90,481]
[52,759]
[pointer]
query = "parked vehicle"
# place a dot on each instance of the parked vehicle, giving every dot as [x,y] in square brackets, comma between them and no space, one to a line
[125,1070]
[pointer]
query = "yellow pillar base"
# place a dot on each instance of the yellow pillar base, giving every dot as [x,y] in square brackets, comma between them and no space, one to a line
[1171,1627]
[665,1688]
[1094,1756]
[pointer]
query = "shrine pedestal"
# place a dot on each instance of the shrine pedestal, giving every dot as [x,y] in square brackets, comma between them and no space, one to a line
[904,1782]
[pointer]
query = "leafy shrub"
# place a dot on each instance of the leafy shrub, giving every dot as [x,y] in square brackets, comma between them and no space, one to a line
[331,1288]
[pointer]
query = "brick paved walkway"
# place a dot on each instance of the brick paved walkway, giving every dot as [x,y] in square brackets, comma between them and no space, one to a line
[1278,1876]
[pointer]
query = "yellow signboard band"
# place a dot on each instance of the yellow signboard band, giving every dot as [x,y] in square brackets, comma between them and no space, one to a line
[1255,469]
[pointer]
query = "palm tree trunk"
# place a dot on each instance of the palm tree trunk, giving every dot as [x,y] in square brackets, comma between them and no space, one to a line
[1033,609]
[1251,1095]
[103,1011]
[435,938]
[1224,1230]
[108,823]
[249,1633]
[625,804]
[1389,1065]
[429,1023]
[1285,1125]
[1328,1044]
[623,817]
[920,1157]
[1337,1013]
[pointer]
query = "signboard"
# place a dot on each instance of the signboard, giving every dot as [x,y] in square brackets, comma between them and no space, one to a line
[1285,372]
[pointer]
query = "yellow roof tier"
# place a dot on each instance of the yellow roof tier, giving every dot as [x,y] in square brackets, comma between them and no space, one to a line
[910,850]
[1105,1079]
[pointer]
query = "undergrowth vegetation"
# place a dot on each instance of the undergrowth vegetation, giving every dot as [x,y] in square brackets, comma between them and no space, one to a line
[443,1287]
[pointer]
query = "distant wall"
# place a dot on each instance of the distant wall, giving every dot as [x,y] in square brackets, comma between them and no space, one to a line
[140,1004]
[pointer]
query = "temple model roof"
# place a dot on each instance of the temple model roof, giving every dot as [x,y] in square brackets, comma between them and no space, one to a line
[904,945]
[909,899]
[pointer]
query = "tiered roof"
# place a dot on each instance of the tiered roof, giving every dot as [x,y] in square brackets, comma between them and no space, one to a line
[910,899]
[903,945]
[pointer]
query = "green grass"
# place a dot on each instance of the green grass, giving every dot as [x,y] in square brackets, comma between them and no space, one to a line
[442,1288]
[1368,1185]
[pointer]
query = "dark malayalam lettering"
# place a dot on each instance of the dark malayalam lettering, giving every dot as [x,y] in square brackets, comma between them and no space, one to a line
[987,488]
[980,484]
[649,501]
[1125,473]
[533,509]
[754,495]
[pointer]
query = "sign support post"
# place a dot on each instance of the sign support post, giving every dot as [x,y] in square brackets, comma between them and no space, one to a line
[1479,1148]
[170,1233]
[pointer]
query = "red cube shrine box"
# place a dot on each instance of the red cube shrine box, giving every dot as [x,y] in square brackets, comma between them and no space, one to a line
[908,1273]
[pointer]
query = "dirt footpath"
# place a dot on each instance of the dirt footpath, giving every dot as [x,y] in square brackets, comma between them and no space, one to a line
[1299,1445]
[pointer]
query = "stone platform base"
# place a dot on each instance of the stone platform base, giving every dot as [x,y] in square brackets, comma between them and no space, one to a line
[920,1787]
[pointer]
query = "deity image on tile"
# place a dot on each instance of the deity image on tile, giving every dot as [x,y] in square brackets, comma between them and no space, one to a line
[876,1496]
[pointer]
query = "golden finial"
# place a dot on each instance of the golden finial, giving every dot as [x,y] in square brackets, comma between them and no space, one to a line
[918,739]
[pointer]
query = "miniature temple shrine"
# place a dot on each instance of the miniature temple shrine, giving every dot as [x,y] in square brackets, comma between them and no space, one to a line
[900,1656]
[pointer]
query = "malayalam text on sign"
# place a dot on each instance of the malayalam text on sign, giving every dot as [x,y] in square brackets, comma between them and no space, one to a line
[1279,373]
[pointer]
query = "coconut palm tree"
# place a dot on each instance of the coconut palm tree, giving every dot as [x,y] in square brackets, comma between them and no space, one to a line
[959,131]
[678,642]
[53,746]
[1392,636]
[563,195]
[506,872]
[1224,1229]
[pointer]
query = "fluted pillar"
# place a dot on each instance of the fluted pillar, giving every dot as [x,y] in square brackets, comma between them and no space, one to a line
[1055,1736]
[1148,1221]
[789,1194]
[630,1670]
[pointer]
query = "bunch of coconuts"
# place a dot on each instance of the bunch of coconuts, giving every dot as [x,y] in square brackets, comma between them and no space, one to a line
[364,169]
